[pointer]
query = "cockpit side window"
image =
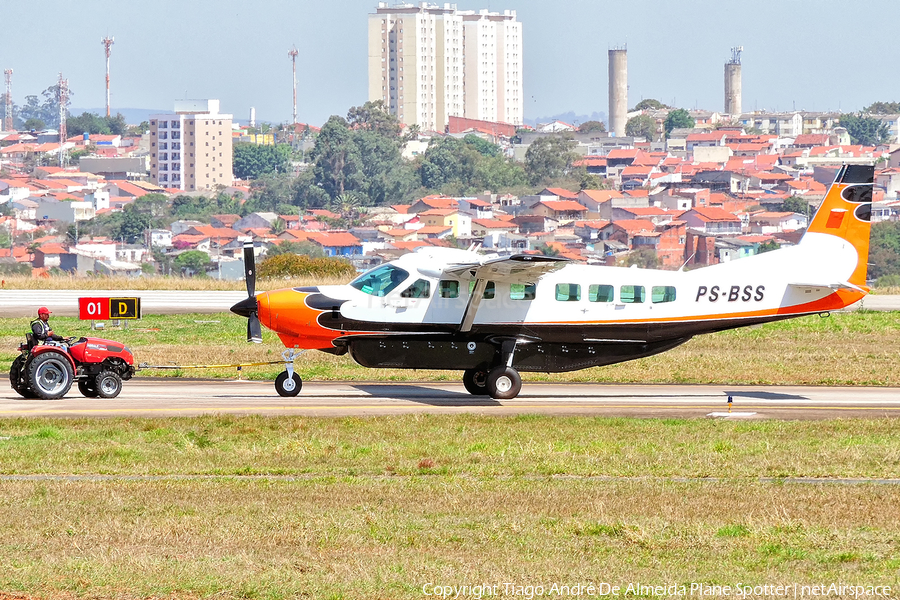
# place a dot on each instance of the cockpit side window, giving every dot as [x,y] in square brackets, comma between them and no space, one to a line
[420,289]
[381,280]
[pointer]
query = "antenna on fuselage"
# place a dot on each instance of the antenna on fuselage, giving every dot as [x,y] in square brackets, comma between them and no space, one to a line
[690,258]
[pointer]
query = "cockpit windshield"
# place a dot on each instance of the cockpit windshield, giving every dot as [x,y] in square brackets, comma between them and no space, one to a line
[380,281]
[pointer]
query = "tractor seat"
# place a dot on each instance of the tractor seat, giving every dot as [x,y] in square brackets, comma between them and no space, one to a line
[30,341]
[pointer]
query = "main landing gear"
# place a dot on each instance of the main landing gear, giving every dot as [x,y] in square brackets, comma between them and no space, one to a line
[500,382]
[288,382]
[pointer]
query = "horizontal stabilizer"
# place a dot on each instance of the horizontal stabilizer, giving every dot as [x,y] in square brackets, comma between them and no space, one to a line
[840,285]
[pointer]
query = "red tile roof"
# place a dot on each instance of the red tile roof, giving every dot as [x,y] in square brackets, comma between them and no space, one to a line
[563,205]
[714,214]
[493,224]
[563,193]
[335,239]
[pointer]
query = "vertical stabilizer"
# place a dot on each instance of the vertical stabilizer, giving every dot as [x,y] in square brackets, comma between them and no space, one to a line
[846,213]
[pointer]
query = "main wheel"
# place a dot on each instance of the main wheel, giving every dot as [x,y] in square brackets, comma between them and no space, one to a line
[108,384]
[475,380]
[50,375]
[15,377]
[504,383]
[288,387]
[87,389]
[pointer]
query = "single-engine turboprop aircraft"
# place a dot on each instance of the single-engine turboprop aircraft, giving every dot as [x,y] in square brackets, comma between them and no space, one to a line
[494,316]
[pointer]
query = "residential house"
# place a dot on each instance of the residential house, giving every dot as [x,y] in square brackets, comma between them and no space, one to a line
[447,217]
[712,221]
[776,222]
[491,231]
[160,238]
[720,181]
[533,223]
[256,220]
[337,243]
[561,210]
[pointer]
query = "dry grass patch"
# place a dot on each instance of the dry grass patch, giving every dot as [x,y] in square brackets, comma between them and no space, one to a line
[387,538]
[62,282]
[460,445]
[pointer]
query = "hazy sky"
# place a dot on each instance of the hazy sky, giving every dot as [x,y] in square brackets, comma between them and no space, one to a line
[812,54]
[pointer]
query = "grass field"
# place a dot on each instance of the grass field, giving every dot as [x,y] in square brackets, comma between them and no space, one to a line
[380,507]
[859,348]
[375,508]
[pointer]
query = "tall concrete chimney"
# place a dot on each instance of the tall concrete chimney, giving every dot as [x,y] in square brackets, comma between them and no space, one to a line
[733,82]
[618,90]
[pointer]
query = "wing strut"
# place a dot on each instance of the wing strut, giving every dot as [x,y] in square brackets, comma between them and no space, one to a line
[472,305]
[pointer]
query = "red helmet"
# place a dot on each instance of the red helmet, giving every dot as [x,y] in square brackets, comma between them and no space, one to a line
[43,311]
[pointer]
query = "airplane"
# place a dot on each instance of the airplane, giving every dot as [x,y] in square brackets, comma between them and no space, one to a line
[493,316]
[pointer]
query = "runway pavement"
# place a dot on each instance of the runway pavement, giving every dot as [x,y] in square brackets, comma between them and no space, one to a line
[171,397]
[24,303]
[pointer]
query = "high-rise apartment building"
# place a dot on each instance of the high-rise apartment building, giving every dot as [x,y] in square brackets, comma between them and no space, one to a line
[191,149]
[430,62]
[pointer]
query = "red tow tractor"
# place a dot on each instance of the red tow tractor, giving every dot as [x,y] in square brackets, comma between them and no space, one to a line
[48,370]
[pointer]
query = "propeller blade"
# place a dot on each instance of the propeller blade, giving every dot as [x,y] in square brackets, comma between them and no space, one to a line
[250,268]
[254,332]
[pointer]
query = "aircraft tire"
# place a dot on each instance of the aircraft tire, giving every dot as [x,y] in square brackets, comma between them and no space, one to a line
[504,383]
[288,388]
[475,380]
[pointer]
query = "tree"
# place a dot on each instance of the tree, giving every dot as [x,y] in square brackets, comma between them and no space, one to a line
[34,124]
[447,160]
[767,247]
[590,126]
[641,126]
[483,147]
[289,247]
[795,204]
[643,258]
[192,261]
[678,119]
[867,131]
[548,158]
[337,164]
[48,110]
[882,108]
[250,161]
[648,104]
[884,249]
[548,250]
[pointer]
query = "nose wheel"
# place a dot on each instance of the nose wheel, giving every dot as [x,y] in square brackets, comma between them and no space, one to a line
[288,382]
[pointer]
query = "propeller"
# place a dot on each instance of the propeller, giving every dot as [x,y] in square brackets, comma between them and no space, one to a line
[249,307]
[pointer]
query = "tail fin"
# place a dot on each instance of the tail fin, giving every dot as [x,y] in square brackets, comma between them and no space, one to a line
[846,213]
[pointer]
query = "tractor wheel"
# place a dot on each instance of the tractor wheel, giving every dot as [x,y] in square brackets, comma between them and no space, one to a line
[108,384]
[475,380]
[87,389]
[15,377]
[504,383]
[50,375]
[286,387]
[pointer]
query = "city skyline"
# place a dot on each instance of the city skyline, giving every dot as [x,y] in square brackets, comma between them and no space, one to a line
[796,55]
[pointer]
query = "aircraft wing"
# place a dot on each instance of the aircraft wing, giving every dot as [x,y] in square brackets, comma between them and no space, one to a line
[515,268]
[518,268]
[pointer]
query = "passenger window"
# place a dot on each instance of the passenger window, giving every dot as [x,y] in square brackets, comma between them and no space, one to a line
[600,293]
[568,292]
[449,289]
[631,294]
[488,290]
[420,289]
[522,291]
[662,293]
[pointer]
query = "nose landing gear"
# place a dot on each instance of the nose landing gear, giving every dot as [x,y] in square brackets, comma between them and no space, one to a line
[288,382]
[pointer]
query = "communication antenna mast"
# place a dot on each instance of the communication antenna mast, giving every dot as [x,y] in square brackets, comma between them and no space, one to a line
[63,100]
[8,121]
[293,54]
[736,55]
[107,42]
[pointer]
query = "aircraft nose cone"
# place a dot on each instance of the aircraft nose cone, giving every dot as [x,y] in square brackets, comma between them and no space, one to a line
[245,307]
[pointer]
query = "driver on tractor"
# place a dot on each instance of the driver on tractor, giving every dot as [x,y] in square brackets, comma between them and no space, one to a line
[40,327]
